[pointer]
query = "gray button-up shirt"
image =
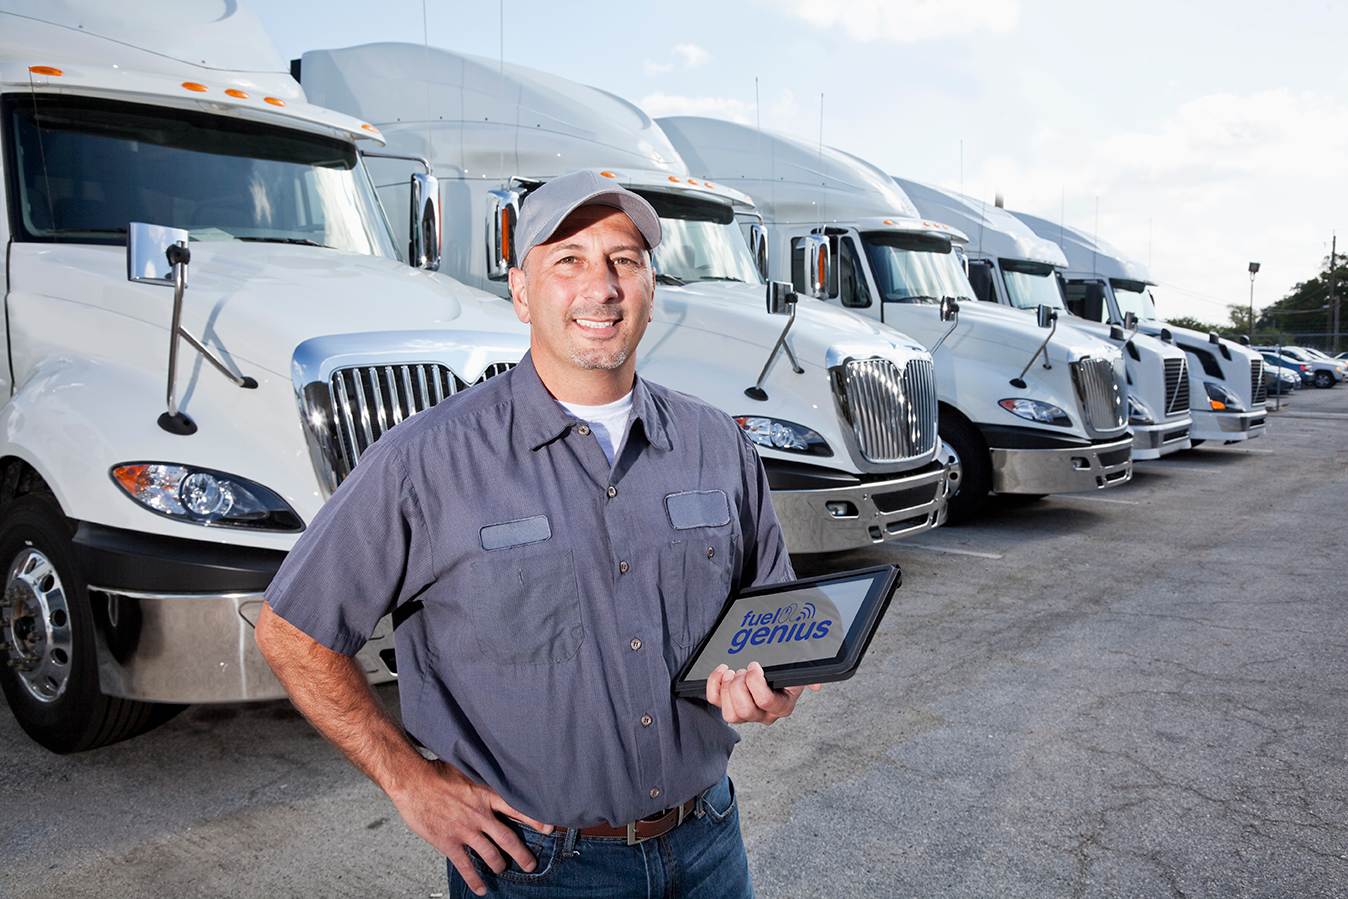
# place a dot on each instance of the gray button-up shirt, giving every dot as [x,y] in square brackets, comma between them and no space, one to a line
[543,600]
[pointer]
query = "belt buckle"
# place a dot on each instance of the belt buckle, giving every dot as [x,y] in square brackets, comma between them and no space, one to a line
[633,838]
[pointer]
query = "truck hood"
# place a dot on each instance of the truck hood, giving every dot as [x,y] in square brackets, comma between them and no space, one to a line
[254,303]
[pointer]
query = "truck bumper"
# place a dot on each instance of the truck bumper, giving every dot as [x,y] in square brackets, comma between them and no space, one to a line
[849,516]
[1228,426]
[1064,469]
[173,618]
[1155,441]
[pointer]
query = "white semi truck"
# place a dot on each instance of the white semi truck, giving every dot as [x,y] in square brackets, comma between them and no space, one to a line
[1011,265]
[1028,406]
[843,411]
[207,320]
[1227,394]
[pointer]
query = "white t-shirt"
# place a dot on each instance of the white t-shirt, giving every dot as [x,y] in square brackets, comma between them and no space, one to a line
[608,422]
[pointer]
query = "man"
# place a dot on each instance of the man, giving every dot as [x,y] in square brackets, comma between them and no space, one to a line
[552,545]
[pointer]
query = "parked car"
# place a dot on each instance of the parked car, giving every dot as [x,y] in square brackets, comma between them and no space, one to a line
[1301,369]
[1324,372]
[1280,380]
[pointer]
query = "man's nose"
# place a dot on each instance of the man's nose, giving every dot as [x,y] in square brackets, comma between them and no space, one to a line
[601,281]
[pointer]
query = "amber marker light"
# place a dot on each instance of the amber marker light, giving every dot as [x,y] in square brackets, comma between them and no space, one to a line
[237,93]
[608,174]
[193,86]
[45,70]
[273,101]
[370,128]
[672,178]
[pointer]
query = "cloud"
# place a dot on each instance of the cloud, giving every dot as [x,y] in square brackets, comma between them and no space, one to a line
[904,21]
[659,104]
[655,68]
[692,54]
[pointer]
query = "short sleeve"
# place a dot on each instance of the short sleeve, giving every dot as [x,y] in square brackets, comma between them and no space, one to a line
[365,553]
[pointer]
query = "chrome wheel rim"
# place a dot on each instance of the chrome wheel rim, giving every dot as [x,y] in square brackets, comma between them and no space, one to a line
[35,626]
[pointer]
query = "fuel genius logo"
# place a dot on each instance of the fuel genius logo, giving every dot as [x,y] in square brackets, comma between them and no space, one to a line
[788,624]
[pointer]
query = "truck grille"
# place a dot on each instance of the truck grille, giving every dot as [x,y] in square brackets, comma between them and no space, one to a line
[892,414]
[363,403]
[1258,390]
[1100,388]
[1176,386]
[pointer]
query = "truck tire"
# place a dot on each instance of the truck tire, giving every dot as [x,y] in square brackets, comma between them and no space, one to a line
[50,668]
[1324,378]
[975,480]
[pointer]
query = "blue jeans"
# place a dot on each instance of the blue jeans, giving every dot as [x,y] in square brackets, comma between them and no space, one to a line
[702,858]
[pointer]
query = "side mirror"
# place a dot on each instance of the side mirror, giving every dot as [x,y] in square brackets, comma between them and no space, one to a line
[758,247]
[1244,340]
[949,309]
[1046,316]
[503,211]
[1213,338]
[782,297]
[146,246]
[423,244]
[1130,321]
[817,265]
[1167,336]
[1116,333]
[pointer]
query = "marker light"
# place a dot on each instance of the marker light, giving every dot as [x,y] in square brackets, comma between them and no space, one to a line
[193,86]
[205,497]
[1034,410]
[608,174]
[45,70]
[672,178]
[273,101]
[372,129]
[237,93]
[783,435]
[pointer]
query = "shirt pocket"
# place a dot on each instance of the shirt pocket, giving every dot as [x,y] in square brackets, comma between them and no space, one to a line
[695,578]
[526,609]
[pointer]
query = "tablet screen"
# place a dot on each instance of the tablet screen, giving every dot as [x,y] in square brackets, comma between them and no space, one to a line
[804,624]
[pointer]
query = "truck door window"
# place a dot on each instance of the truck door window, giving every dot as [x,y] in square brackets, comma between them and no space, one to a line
[852,289]
[82,168]
[980,279]
[1086,299]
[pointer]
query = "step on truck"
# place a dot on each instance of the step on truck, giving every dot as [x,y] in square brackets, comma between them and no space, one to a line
[1011,265]
[1227,393]
[1028,406]
[842,411]
[207,321]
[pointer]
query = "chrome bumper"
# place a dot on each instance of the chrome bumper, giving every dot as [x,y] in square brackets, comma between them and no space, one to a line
[816,521]
[1155,441]
[1228,426]
[1069,470]
[200,648]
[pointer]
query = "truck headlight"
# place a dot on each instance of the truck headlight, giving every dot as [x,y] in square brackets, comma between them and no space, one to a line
[1034,410]
[1221,399]
[1138,413]
[783,435]
[205,497]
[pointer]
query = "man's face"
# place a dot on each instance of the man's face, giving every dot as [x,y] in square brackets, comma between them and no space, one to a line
[587,294]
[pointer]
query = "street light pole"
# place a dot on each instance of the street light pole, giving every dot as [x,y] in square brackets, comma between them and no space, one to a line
[1254,269]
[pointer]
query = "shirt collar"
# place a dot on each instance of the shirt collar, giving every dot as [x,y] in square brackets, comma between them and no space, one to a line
[539,420]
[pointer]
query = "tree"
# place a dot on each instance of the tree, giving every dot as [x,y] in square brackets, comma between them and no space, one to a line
[1192,324]
[1308,308]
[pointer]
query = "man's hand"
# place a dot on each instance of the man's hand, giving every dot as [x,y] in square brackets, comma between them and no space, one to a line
[744,695]
[438,802]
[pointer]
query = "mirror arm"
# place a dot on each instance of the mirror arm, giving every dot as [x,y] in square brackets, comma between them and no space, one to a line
[426,163]
[954,323]
[757,392]
[1020,380]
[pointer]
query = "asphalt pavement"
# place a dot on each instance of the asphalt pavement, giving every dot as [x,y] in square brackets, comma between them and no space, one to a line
[1140,692]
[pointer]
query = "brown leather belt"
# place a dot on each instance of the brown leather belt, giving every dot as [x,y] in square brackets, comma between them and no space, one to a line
[656,825]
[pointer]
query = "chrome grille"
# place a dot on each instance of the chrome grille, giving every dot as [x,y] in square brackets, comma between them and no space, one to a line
[892,413]
[1100,389]
[1258,389]
[1176,385]
[365,402]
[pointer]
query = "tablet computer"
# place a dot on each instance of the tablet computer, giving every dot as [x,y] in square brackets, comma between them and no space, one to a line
[802,632]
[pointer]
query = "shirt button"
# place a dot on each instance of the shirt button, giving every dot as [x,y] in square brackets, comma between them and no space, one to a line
[655,792]
[636,643]
[711,551]
[612,492]
[646,720]
[584,429]
[623,566]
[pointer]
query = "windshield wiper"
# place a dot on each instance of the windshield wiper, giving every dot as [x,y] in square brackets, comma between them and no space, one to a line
[302,241]
[720,278]
[662,278]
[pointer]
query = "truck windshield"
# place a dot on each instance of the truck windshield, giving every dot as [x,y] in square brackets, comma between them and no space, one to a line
[915,268]
[82,169]
[699,240]
[1134,297]
[1031,284]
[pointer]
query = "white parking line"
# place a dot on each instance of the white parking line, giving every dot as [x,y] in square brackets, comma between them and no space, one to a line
[1095,499]
[953,552]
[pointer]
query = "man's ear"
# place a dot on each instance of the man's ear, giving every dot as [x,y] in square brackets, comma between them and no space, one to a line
[519,294]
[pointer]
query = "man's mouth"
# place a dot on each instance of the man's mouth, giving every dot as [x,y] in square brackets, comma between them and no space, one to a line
[595,324]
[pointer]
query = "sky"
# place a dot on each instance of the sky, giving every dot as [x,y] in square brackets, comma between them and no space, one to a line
[1196,137]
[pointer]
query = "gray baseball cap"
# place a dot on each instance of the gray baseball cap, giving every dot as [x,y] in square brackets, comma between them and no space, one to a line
[544,210]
